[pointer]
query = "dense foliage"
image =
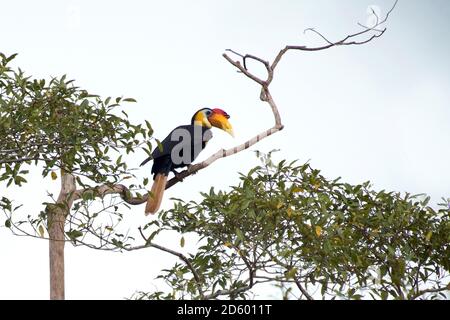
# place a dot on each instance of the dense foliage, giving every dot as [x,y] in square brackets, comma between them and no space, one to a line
[288,225]
[57,128]
[58,125]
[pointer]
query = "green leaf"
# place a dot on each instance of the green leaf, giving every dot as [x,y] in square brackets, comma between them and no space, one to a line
[8,223]
[182,241]
[73,234]
[11,57]
[18,180]
[160,146]
[41,231]
[149,126]
[129,100]
[84,104]
[291,274]
[240,235]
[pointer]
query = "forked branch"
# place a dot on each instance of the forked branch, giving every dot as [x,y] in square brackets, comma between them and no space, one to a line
[241,64]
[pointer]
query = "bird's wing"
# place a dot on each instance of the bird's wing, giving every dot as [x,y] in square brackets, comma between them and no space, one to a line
[196,142]
[171,141]
[164,148]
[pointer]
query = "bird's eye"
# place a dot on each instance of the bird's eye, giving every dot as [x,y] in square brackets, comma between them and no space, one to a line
[208,113]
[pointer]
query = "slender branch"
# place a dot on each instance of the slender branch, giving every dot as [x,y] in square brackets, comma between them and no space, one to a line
[319,34]
[125,193]
[221,154]
[435,290]
[14,160]
[227,292]
[303,290]
[251,270]
[275,279]
[241,68]
[265,96]
[343,42]
[416,282]
[177,254]
[248,56]
[106,189]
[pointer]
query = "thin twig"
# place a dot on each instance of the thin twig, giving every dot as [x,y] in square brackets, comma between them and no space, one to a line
[125,193]
[303,290]
[434,290]
[343,42]
[175,253]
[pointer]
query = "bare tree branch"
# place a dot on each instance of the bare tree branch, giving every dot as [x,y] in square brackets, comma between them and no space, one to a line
[265,93]
[14,160]
[106,189]
[343,42]
[148,243]
[303,290]
[265,96]
[434,290]
[319,34]
[222,154]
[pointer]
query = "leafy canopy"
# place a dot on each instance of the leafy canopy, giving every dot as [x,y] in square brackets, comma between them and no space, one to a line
[60,125]
[286,224]
[55,126]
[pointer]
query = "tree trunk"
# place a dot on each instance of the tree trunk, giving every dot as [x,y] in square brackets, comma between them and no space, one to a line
[56,251]
[56,221]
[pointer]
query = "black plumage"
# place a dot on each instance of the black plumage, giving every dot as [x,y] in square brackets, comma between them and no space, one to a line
[162,156]
[180,148]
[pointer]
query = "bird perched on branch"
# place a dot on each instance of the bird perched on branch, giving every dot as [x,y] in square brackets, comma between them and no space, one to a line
[180,148]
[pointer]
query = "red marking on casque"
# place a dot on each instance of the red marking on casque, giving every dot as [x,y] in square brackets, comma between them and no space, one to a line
[220,111]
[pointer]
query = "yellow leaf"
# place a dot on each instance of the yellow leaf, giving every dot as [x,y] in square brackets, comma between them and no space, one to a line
[316,186]
[318,230]
[279,205]
[291,273]
[182,241]
[297,190]
[109,229]
[54,175]
[289,212]
[41,230]
[228,244]
[428,236]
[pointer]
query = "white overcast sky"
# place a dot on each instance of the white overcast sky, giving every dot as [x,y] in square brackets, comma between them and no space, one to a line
[377,112]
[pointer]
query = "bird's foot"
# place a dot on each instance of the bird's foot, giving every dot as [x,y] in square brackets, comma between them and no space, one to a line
[178,175]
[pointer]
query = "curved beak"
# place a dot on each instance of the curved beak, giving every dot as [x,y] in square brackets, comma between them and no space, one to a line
[221,121]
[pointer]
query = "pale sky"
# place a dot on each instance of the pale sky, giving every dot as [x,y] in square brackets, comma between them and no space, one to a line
[377,112]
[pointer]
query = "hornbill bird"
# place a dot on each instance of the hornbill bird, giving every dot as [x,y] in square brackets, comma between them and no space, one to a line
[180,148]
